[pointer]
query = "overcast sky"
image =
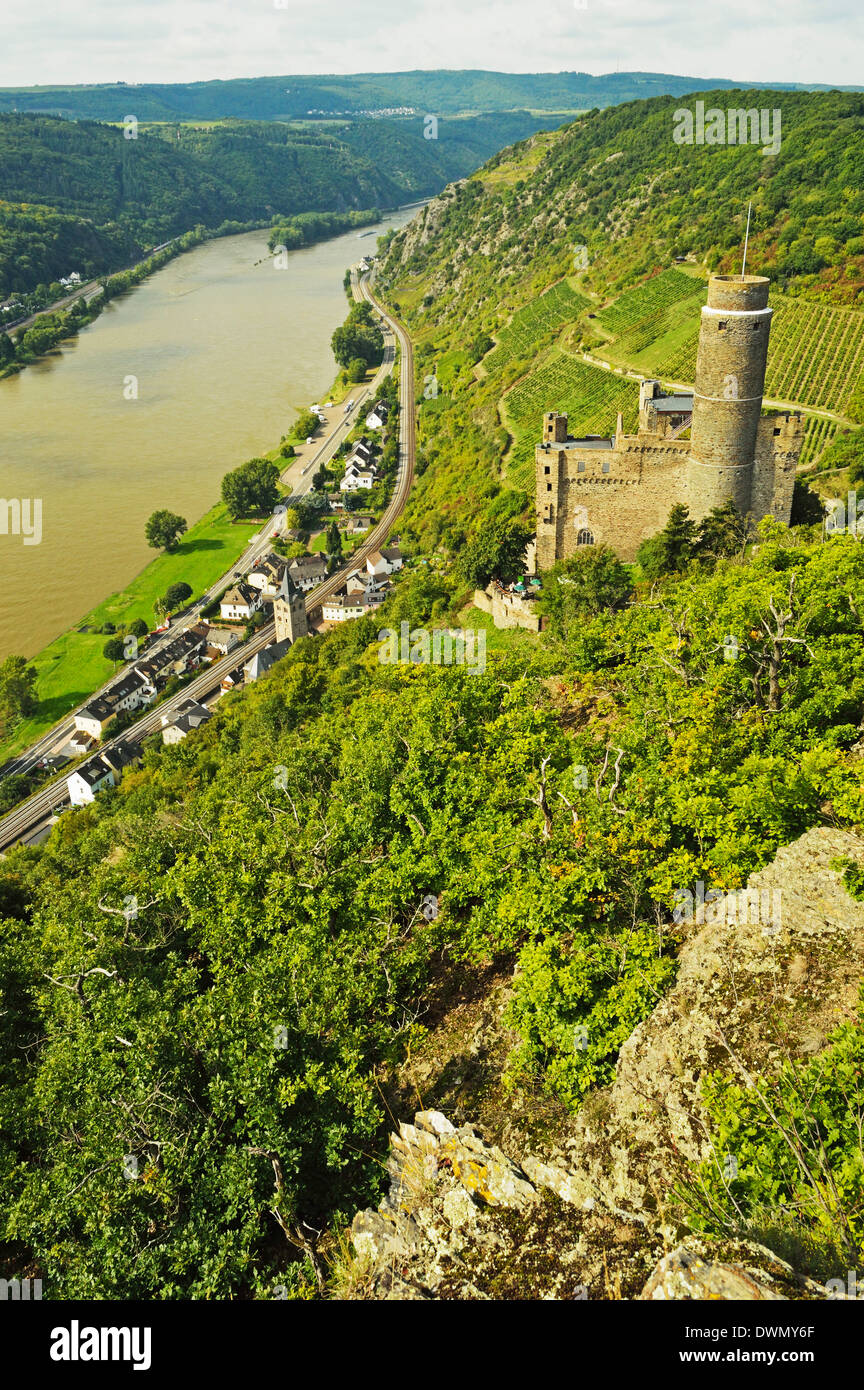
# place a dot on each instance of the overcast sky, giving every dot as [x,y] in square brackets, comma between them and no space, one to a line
[69,41]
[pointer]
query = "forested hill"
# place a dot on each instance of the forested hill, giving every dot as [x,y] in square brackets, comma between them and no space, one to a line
[272,98]
[81,196]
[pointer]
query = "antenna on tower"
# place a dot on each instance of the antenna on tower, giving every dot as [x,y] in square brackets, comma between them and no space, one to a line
[746,239]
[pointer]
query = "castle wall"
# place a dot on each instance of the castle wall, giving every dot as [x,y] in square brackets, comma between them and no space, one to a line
[778,445]
[507,610]
[620,495]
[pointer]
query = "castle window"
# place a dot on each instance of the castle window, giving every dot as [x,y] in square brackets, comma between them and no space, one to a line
[584,538]
[721,325]
[580,467]
[776,429]
[605,465]
[546,469]
[548,487]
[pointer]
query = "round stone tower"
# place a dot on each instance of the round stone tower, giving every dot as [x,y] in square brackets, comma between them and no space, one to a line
[730,377]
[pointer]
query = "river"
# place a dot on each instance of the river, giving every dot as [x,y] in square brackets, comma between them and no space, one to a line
[192,372]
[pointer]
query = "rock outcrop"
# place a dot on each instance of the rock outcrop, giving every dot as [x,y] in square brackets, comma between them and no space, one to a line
[591,1217]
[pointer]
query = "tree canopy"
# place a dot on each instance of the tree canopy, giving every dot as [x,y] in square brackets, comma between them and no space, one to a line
[164,529]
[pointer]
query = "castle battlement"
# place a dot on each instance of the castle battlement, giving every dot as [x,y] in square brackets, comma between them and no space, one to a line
[618,491]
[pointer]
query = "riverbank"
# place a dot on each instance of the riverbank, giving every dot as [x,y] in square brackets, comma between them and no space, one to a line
[73,666]
[53,325]
[40,334]
[205,365]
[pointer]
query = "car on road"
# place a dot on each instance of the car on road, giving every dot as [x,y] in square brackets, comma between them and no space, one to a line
[328,405]
[349,406]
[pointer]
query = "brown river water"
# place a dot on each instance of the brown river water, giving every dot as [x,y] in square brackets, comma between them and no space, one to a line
[223,352]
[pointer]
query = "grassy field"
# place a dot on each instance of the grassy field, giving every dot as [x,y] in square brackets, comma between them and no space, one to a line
[590,395]
[510,171]
[73,666]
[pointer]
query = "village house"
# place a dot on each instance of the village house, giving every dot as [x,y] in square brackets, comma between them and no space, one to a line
[262,661]
[359,524]
[267,574]
[105,770]
[356,478]
[189,715]
[183,651]
[80,743]
[361,452]
[377,417]
[130,692]
[306,571]
[383,562]
[357,601]
[240,603]
[221,641]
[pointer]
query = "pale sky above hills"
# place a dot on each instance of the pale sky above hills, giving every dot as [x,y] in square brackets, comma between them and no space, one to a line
[68,41]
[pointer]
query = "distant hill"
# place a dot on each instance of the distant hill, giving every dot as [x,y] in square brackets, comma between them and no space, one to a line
[78,195]
[440,92]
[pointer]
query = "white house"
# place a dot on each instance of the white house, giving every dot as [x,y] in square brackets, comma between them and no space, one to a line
[222,639]
[105,770]
[354,603]
[81,742]
[239,603]
[90,779]
[341,607]
[354,479]
[384,562]
[377,417]
[361,451]
[132,691]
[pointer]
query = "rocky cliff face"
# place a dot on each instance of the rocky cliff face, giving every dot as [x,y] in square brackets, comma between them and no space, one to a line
[590,1217]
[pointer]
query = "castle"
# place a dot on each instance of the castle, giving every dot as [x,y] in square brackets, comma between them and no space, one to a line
[619,491]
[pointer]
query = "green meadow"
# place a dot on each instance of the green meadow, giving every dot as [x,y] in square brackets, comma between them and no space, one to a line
[72,666]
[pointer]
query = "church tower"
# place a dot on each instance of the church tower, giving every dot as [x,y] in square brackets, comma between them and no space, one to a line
[730,379]
[289,610]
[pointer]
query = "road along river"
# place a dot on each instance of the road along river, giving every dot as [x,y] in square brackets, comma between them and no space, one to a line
[199,368]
